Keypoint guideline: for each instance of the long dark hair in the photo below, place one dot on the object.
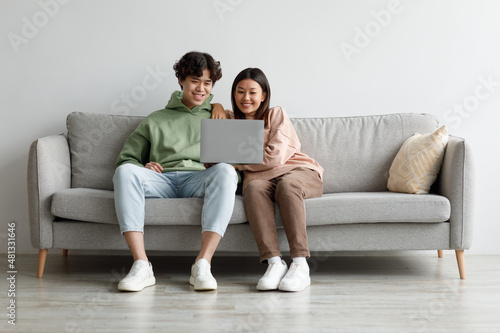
(258, 76)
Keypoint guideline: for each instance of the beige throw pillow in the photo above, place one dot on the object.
(417, 164)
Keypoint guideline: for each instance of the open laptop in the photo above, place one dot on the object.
(233, 141)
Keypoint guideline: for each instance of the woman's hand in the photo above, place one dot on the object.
(154, 166)
(218, 111)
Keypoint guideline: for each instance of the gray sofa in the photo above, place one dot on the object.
(71, 204)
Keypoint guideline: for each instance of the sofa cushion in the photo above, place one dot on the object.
(375, 207)
(417, 164)
(91, 205)
(357, 152)
(336, 208)
(95, 140)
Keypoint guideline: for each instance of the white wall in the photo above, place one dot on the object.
(413, 56)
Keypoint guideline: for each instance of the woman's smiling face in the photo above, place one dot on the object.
(248, 96)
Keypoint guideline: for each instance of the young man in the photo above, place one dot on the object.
(161, 159)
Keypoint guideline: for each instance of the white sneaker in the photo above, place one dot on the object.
(297, 278)
(273, 275)
(139, 277)
(201, 277)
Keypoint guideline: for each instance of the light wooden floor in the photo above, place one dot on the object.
(385, 293)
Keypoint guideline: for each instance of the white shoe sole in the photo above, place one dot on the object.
(137, 287)
(295, 288)
(203, 286)
(267, 288)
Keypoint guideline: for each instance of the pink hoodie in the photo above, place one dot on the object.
(281, 151)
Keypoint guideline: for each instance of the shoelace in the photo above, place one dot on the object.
(135, 269)
(270, 267)
(293, 269)
(203, 270)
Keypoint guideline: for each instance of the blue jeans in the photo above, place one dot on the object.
(217, 185)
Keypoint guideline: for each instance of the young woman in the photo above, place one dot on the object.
(286, 177)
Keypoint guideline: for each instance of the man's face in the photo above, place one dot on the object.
(195, 90)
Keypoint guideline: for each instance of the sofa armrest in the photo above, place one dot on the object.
(49, 170)
(456, 182)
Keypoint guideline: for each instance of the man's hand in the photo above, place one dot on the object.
(154, 166)
(218, 111)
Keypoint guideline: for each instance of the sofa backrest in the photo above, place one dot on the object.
(356, 152)
(95, 140)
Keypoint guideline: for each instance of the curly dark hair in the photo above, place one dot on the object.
(194, 63)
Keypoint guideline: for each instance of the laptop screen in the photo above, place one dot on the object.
(233, 141)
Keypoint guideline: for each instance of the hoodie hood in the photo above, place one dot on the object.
(175, 103)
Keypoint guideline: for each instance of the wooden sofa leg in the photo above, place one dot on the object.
(42, 256)
(461, 262)
(440, 253)
(65, 252)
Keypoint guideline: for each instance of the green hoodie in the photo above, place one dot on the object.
(170, 137)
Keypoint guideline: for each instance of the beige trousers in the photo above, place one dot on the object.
(289, 192)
